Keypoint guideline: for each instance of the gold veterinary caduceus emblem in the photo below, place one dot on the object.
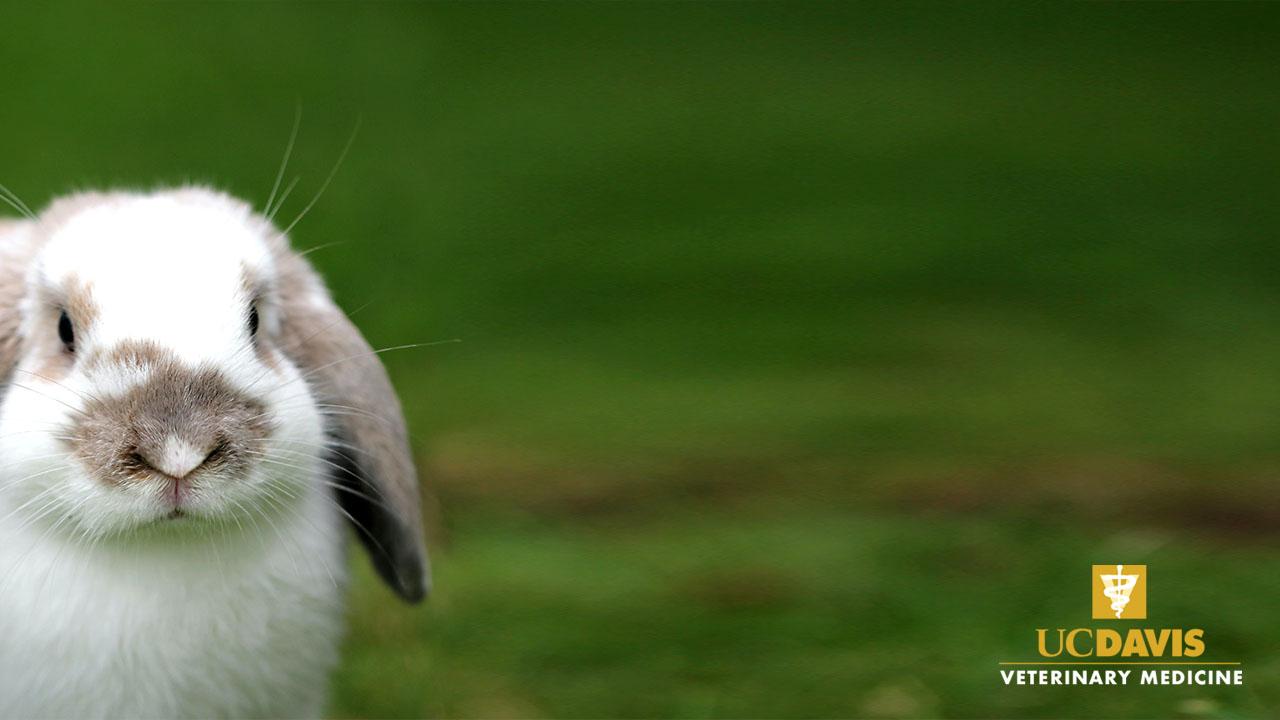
(1119, 592)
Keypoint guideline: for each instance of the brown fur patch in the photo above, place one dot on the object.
(114, 435)
(79, 303)
(19, 243)
(17, 248)
(135, 354)
(76, 298)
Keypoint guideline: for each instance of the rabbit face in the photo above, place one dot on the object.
(153, 386)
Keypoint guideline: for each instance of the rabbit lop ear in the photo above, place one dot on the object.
(368, 444)
(17, 248)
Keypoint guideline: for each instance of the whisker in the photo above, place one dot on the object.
(282, 489)
(299, 343)
(15, 202)
(337, 447)
(337, 506)
(249, 515)
(285, 196)
(235, 516)
(308, 251)
(368, 353)
(73, 391)
(330, 483)
(24, 461)
(351, 412)
(31, 389)
(372, 538)
(44, 427)
(324, 186)
(35, 498)
(48, 508)
(288, 151)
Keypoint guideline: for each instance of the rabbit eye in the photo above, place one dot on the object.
(66, 333)
(253, 320)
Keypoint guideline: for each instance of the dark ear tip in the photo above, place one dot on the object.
(413, 594)
(413, 582)
(405, 568)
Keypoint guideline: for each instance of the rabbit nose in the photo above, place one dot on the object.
(176, 457)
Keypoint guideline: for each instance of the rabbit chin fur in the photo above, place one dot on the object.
(164, 627)
(213, 615)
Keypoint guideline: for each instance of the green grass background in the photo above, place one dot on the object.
(811, 352)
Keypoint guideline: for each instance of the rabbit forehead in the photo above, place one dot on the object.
(175, 269)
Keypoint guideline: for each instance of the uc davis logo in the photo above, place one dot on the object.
(1119, 592)
(1114, 655)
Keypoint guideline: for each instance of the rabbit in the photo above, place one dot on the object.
(189, 427)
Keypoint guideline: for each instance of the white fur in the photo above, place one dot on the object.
(106, 608)
(242, 626)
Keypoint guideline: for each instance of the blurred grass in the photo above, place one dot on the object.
(810, 352)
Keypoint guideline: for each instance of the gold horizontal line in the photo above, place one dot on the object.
(1085, 662)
